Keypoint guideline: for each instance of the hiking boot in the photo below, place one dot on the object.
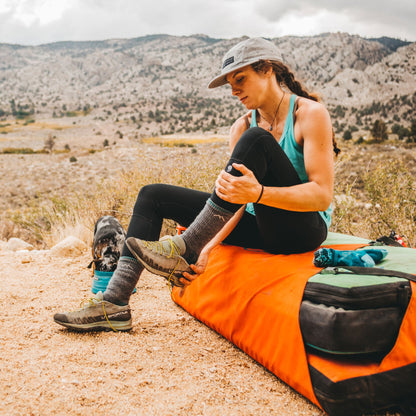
(162, 257)
(96, 314)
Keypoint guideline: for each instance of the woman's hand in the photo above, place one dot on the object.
(238, 189)
(198, 268)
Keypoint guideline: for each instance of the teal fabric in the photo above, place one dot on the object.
(250, 208)
(100, 281)
(294, 152)
(366, 257)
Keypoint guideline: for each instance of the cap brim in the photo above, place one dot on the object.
(218, 81)
(222, 79)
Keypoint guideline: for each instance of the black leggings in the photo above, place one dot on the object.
(271, 229)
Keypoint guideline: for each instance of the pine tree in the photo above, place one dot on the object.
(379, 131)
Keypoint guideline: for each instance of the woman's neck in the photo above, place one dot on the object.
(273, 109)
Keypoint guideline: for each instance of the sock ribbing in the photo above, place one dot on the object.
(206, 225)
(123, 281)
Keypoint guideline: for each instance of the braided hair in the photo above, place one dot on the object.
(285, 76)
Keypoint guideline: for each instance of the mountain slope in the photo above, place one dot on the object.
(169, 74)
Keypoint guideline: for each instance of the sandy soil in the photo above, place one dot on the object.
(169, 364)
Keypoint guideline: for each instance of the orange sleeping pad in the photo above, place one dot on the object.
(253, 298)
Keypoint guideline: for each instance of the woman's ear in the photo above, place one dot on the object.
(268, 69)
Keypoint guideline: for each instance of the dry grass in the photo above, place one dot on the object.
(375, 192)
(9, 126)
(49, 222)
(170, 141)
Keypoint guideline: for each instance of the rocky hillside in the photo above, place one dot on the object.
(158, 82)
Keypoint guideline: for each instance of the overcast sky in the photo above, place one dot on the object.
(33, 22)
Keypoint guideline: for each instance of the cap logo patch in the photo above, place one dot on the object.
(228, 61)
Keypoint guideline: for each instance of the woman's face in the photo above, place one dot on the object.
(249, 86)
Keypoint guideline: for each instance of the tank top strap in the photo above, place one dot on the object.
(253, 118)
(289, 119)
(291, 108)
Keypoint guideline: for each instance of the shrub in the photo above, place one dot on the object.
(347, 135)
(73, 159)
(379, 130)
(391, 190)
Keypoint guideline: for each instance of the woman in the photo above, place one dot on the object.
(274, 193)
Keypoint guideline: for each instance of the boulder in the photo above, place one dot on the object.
(69, 247)
(16, 244)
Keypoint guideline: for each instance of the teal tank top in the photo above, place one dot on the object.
(295, 154)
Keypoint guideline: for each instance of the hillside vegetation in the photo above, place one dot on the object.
(157, 84)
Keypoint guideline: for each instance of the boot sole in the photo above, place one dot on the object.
(98, 326)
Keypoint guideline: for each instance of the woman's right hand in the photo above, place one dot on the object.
(238, 189)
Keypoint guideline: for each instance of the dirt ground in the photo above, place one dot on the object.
(169, 364)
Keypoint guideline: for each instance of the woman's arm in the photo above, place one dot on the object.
(314, 128)
(226, 230)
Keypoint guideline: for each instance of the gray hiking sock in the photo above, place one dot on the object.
(123, 281)
(206, 225)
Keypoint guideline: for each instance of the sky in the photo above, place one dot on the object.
(34, 22)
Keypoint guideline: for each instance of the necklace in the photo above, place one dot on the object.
(275, 114)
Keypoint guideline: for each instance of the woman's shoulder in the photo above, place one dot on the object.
(312, 119)
(308, 110)
(307, 106)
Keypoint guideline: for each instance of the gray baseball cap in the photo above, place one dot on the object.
(245, 53)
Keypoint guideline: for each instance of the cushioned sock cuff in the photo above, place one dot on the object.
(206, 225)
(124, 281)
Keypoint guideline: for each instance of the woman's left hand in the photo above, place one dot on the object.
(197, 268)
(238, 189)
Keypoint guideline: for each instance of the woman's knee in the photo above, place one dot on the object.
(253, 149)
(150, 190)
(255, 134)
(148, 195)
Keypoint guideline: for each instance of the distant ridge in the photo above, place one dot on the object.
(391, 43)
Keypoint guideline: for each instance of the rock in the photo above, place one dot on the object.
(69, 247)
(15, 244)
(3, 245)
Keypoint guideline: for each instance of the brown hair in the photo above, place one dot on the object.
(285, 76)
